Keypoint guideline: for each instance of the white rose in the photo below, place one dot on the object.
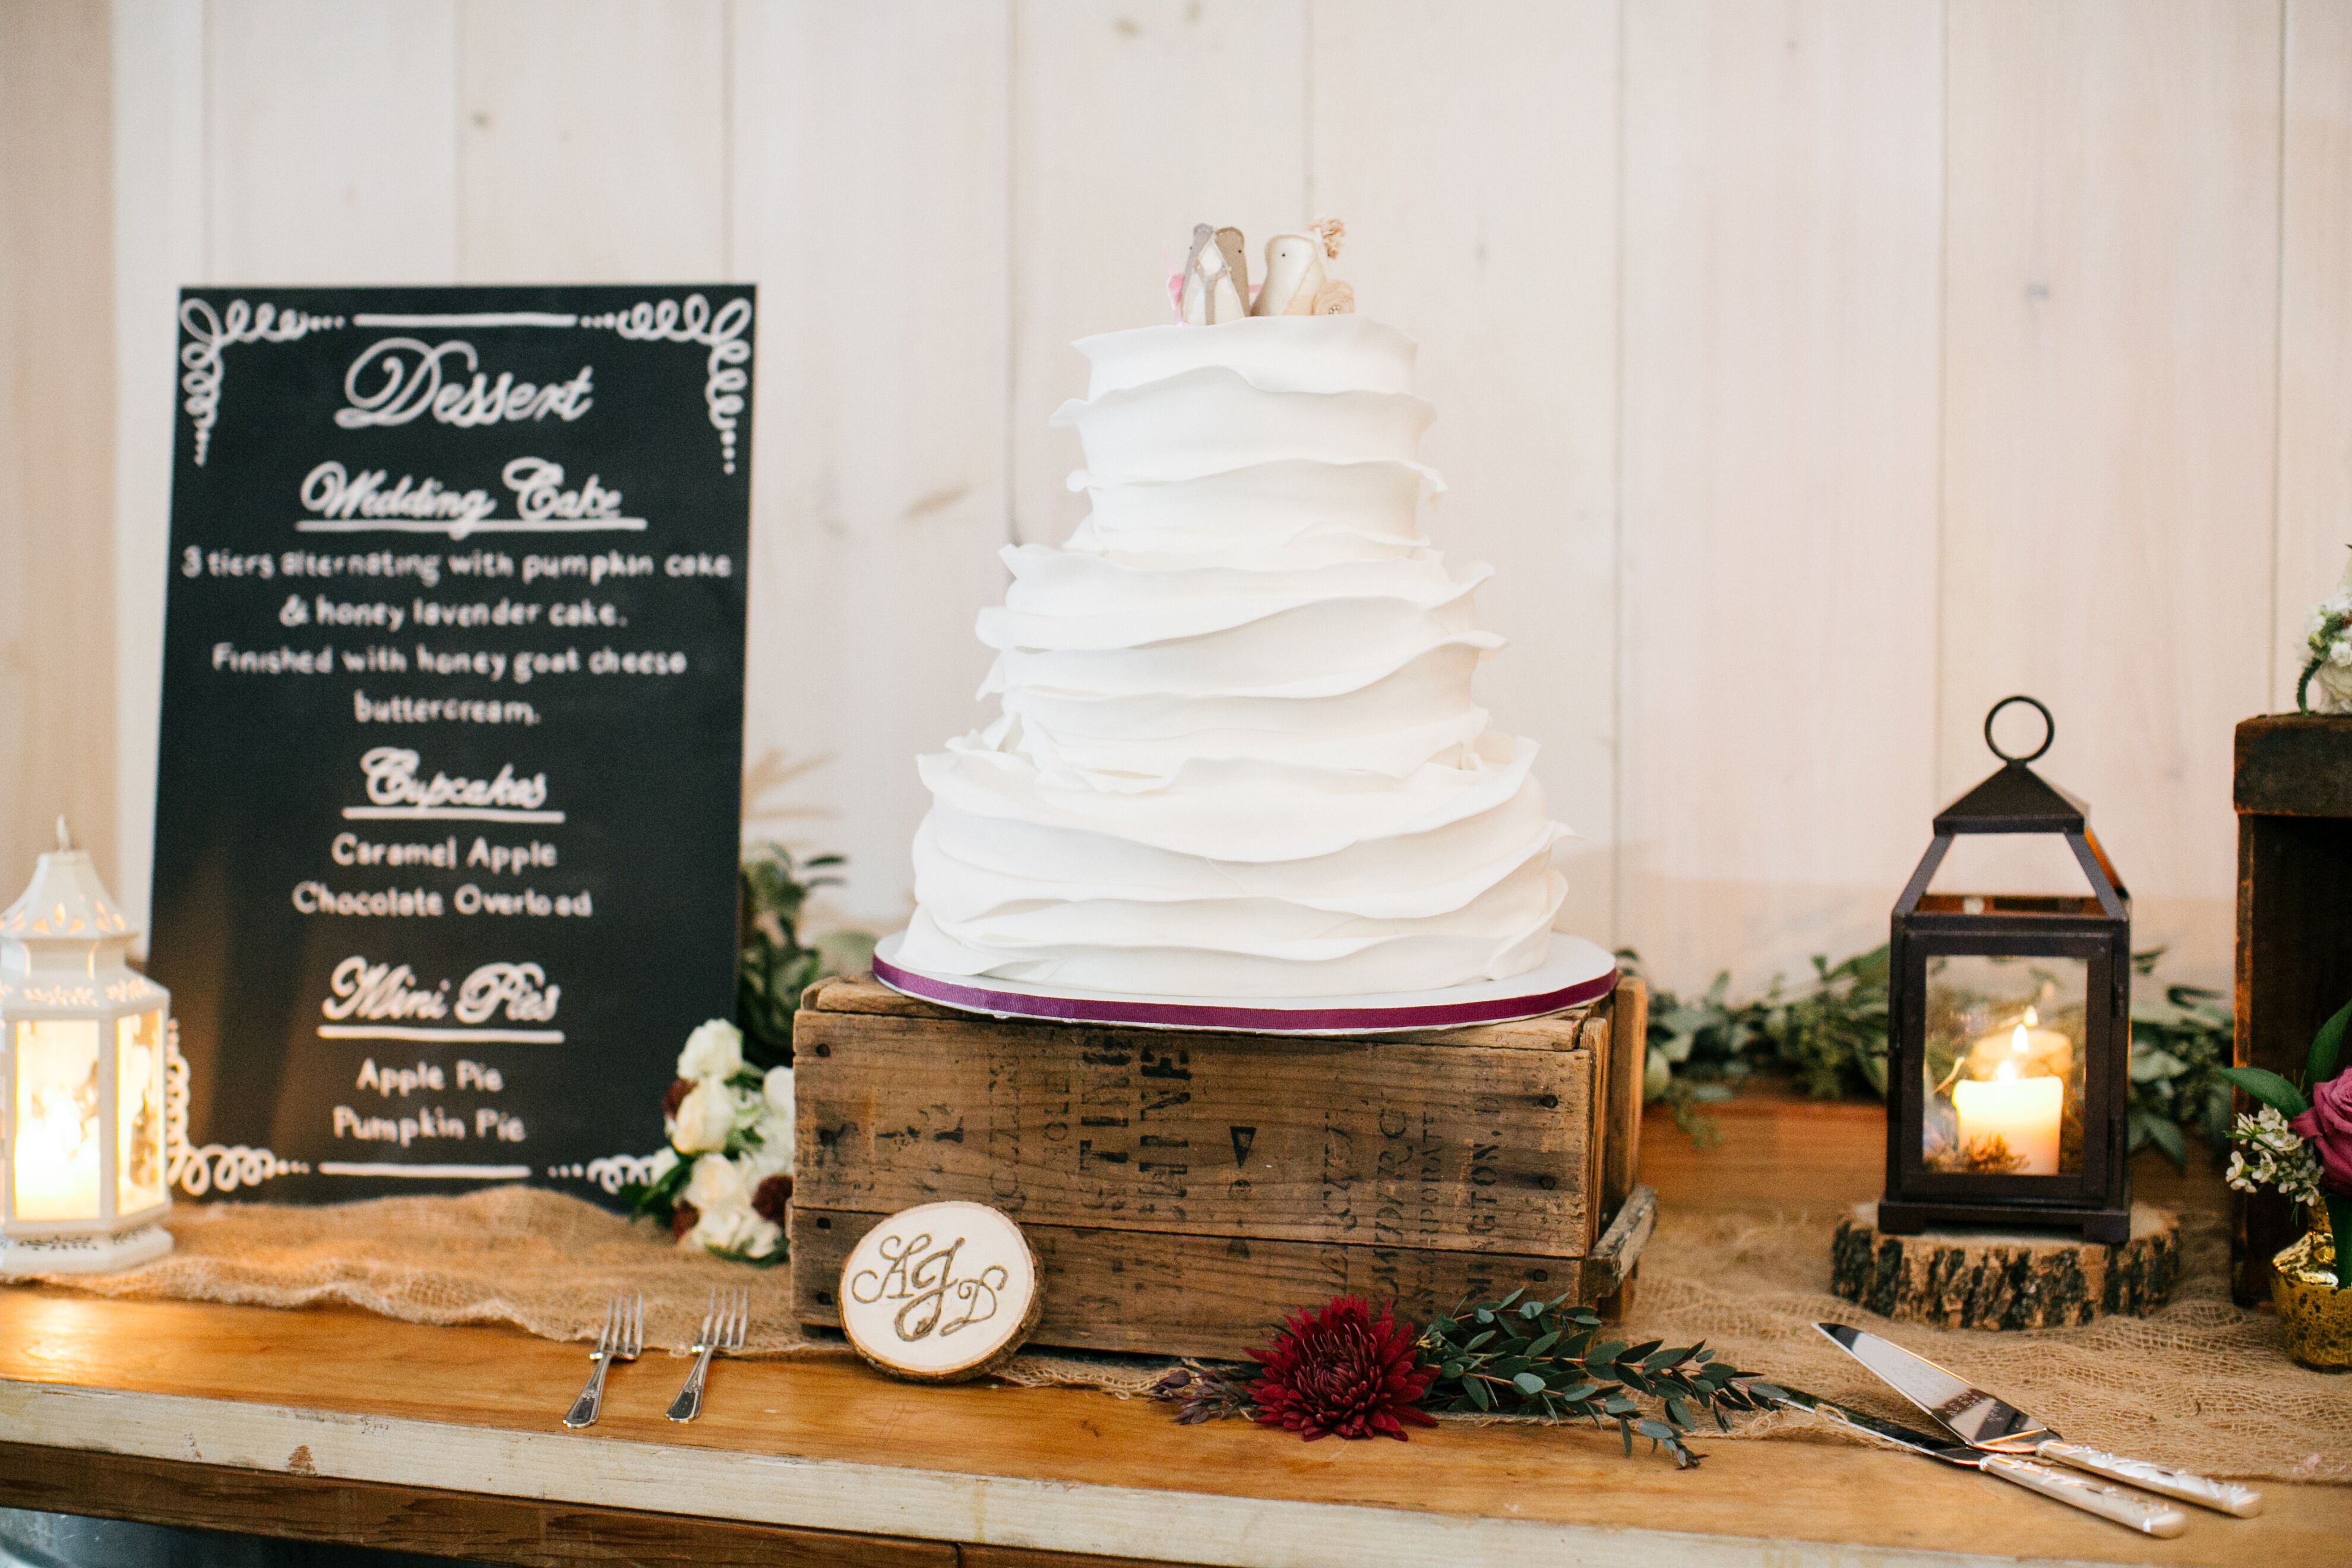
(664, 1162)
(735, 1230)
(776, 1088)
(717, 1228)
(773, 1154)
(2333, 689)
(762, 1236)
(717, 1184)
(714, 1050)
(705, 1118)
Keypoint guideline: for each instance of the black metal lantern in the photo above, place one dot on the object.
(2009, 1020)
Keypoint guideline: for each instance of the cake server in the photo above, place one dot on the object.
(2128, 1508)
(1981, 1421)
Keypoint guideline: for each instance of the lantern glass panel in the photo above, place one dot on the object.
(139, 1121)
(2002, 1069)
(54, 1154)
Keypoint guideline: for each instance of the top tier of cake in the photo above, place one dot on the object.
(1238, 753)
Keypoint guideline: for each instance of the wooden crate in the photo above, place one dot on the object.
(1184, 1189)
(2292, 791)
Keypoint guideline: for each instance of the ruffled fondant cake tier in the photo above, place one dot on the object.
(1239, 755)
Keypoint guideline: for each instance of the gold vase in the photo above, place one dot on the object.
(2317, 1317)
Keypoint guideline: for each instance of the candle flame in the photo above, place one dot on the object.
(2017, 1041)
(2033, 1019)
(2007, 1071)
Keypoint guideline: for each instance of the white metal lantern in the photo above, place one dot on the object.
(82, 1187)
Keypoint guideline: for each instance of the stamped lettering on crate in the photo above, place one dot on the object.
(1452, 1145)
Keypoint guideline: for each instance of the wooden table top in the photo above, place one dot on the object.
(977, 1474)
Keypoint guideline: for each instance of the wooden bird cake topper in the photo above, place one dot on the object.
(1214, 286)
(1216, 278)
(940, 1293)
(1296, 281)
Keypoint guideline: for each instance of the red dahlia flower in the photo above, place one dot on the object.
(1341, 1370)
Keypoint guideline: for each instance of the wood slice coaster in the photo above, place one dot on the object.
(940, 1293)
(2004, 1278)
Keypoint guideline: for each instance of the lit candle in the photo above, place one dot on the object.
(56, 1161)
(2032, 1047)
(2024, 1113)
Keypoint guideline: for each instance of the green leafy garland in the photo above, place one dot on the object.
(772, 965)
(1829, 1039)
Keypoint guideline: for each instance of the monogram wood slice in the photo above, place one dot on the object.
(939, 1292)
(1183, 1188)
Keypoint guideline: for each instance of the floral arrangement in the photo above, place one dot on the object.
(2328, 638)
(724, 1182)
(2299, 1142)
(1342, 1372)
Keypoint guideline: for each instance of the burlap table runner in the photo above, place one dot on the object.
(2201, 1383)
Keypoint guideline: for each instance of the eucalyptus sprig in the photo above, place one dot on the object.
(772, 966)
(1548, 1359)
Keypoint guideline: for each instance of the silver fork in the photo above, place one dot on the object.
(723, 1327)
(623, 1339)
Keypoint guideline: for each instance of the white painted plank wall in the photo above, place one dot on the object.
(870, 202)
(2110, 388)
(1782, 207)
(56, 391)
(1811, 372)
(2315, 411)
(1472, 153)
(592, 141)
(1131, 123)
(159, 243)
(329, 141)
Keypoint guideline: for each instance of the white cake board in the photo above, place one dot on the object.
(1573, 971)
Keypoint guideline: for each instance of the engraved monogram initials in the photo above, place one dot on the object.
(924, 1279)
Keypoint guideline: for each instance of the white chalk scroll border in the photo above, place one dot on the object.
(724, 335)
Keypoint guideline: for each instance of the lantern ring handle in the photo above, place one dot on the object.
(2049, 728)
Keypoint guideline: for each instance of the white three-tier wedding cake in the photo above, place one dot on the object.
(1238, 754)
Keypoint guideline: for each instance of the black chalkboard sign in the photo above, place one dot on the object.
(447, 817)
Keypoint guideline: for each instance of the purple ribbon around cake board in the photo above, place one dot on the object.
(1137, 1010)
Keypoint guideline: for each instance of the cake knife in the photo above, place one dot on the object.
(1981, 1421)
(2129, 1509)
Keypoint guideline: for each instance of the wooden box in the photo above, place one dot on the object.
(1183, 1189)
(2292, 789)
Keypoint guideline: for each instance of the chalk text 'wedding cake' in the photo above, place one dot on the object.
(1238, 753)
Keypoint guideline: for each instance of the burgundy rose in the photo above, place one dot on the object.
(1342, 1371)
(2328, 1127)
(773, 1199)
(683, 1216)
(678, 1090)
